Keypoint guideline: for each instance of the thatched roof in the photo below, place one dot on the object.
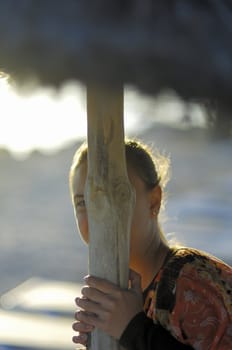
(184, 45)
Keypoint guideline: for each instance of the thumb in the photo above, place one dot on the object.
(135, 281)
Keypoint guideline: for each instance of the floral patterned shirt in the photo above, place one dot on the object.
(191, 297)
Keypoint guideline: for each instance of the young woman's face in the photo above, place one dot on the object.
(142, 228)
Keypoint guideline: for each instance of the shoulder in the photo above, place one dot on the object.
(193, 266)
(186, 260)
(182, 255)
(194, 299)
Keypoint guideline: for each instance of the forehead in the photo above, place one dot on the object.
(80, 175)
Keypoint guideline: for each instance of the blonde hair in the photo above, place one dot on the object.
(152, 168)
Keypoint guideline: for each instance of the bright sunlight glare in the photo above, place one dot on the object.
(48, 119)
(45, 120)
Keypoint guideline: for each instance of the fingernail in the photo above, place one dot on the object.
(77, 315)
(75, 339)
(78, 339)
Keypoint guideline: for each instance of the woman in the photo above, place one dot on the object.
(179, 298)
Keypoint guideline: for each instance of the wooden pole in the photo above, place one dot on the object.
(110, 197)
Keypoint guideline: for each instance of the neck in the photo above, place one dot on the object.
(151, 262)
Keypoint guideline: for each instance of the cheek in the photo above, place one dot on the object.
(136, 227)
(140, 225)
(140, 215)
(82, 223)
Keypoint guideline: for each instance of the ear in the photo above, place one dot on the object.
(155, 201)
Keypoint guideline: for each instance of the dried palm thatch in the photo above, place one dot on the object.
(184, 45)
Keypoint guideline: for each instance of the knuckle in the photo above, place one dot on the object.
(90, 280)
(85, 291)
(78, 315)
(118, 294)
(111, 304)
(76, 326)
(82, 303)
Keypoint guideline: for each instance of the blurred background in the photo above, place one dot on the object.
(42, 258)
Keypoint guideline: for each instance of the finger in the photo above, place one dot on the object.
(95, 295)
(87, 318)
(80, 339)
(101, 284)
(82, 327)
(100, 321)
(135, 280)
(92, 294)
(88, 305)
(77, 315)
